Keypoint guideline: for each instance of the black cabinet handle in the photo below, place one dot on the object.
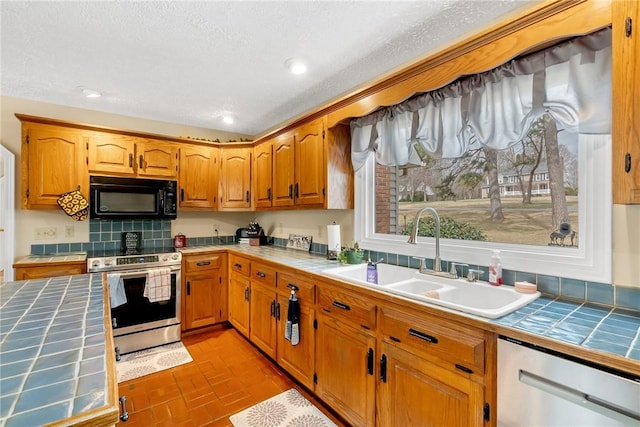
(627, 163)
(188, 288)
(370, 361)
(269, 194)
(246, 294)
(130, 160)
(273, 309)
(423, 336)
(141, 162)
(291, 191)
(247, 197)
(203, 263)
(182, 194)
(383, 368)
(296, 191)
(261, 274)
(277, 311)
(341, 305)
(464, 369)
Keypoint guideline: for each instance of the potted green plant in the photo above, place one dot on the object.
(351, 255)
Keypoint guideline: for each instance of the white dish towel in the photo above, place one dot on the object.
(117, 296)
(158, 286)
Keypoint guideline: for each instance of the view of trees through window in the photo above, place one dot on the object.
(525, 194)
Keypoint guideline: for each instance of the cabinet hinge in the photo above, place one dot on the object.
(628, 26)
(315, 323)
(315, 378)
(486, 411)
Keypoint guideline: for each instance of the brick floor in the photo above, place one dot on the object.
(227, 375)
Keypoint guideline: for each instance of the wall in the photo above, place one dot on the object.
(192, 224)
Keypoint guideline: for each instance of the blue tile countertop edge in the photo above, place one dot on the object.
(607, 329)
(53, 352)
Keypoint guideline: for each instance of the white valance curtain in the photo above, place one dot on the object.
(570, 81)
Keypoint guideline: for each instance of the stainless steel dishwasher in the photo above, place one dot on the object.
(542, 388)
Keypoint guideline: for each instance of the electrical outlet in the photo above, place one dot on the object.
(69, 231)
(45, 233)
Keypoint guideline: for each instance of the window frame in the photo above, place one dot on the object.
(591, 261)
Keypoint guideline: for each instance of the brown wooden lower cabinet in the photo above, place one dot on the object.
(346, 373)
(204, 293)
(239, 298)
(414, 392)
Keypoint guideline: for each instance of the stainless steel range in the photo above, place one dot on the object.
(144, 293)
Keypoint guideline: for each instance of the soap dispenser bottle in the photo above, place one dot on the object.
(495, 269)
(372, 272)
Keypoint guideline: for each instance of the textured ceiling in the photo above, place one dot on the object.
(190, 62)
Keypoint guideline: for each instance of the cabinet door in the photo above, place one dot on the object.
(235, 179)
(263, 318)
(111, 154)
(298, 360)
(156, 159)
(53, 163)
(346, 370)
(626, 107)
(310, 164)
(283, 170)
(198, 177)
(262, 168)
(412, 391)
(202, 307)
(239, 296)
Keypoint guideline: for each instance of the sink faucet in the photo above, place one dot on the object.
(413, 237)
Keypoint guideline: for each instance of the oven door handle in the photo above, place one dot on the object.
(132, 273)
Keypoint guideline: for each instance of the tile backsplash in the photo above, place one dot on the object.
(106, 235)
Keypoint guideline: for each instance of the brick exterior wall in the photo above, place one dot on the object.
(386, 200)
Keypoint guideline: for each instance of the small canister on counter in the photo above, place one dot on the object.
(179, 241)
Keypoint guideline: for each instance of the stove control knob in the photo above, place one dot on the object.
(109, 262)
(175, 257)
(164, 258)
(95, 263)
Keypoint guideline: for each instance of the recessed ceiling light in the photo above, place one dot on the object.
(90, 93)
(296, 66)
(227, 119)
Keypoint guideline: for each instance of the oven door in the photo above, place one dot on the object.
(138, 314)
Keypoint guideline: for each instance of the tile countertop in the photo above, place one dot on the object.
(41, 259)
(54, 365)
(608, 330)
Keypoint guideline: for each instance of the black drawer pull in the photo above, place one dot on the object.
(341, 305)
(423, 336)
(370, 361)
(464, 369)
(238, 266)
(203, 263)
(365, 327)
(261, 274)
(392, 338)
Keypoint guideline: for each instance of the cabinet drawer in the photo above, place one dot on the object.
(306, 290)
(264, 274)
(203, 262)
(347, 307)
(460, 347)
(240, 265)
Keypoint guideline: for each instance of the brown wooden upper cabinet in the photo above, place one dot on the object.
(114, 154)
(262, 167)
(198, 180)
(626, 101)
(53, 163)
(235, 178)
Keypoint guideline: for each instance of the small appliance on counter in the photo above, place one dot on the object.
(252, 235)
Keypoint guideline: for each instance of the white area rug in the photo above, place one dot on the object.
(145, 362)
(286, 409)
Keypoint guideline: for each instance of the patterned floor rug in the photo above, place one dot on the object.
(145, 362)
(286, 409)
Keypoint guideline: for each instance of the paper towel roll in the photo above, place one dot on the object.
(333, 241)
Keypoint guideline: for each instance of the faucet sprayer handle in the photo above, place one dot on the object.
(474, 275)
(453, 271)
(423, 263)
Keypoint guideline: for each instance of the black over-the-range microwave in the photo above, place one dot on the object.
(132, 198)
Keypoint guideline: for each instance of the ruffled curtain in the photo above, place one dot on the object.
(571, 81)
